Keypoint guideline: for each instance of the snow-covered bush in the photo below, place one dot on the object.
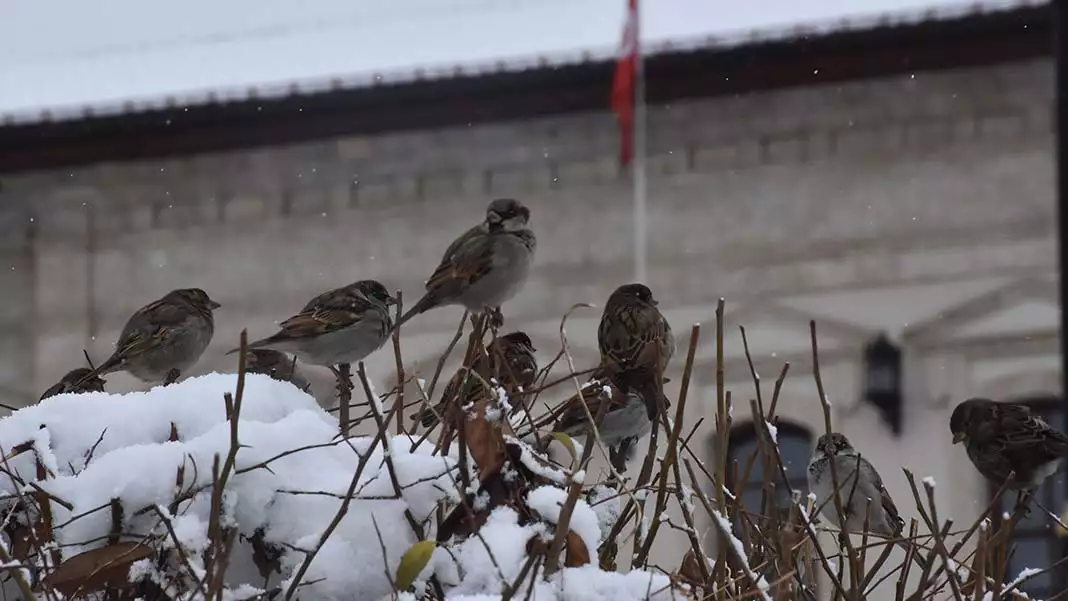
(237, 486)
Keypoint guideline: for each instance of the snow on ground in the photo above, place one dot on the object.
(133, 460)
(135, 463)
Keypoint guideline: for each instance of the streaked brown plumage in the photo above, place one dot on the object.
(618, 398)
(516, 373)
(343, 325)
(76, 382)
(1005, 437)
(486, 266)
(164, 338)
(633, 335)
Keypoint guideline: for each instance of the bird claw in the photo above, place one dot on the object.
(343, 375)
(494, 318)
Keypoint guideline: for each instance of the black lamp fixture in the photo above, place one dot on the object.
(882, 380)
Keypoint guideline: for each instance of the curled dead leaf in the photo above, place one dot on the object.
(576, 552)
(690, 570)
(23, 539)
(93, 570)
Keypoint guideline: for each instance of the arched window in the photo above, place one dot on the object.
(795, 447)
(1036, 540)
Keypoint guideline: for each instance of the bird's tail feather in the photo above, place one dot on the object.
(421, 306)
(262, 342)
(428, 417)
(110, 365)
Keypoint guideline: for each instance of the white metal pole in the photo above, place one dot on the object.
(638, 166)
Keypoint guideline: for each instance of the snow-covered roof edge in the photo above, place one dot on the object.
(367, 79)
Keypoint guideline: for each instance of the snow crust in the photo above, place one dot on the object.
(97, 447)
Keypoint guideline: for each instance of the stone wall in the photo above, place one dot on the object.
(805, 189)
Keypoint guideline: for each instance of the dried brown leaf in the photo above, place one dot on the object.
(577, 554)
(94, 570)
(690, 570)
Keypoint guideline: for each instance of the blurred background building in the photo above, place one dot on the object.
(891, 177)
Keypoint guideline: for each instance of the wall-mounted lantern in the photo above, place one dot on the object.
(882, 380)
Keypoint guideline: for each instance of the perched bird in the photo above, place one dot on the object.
(486, 266)
(619, 400)
(76, 382)
(343, 325)
(633, 335)
(277, 365)
(516, 373)
(1004, 438)
(164, 338)
(858, 481)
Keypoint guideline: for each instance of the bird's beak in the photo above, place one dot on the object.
(958, 437)
(493, 218)
(390, 301)
(656, 303)
(214, 305)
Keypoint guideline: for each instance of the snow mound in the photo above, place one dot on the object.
(153, 453)
(293, 501)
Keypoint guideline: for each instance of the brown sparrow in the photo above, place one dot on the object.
(164, 338)
(625, 419)
(486, 266)
(516, 373)
(633, 334)
(76, 382)
(858, 482)
(343, 325)
(1004, 438)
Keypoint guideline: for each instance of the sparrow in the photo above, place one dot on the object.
(76, 382)
(509, 359)
(633, 335)
(486, 266)
(1004, 438)
(343, 325)
(277, 365)
(164, 338)
(858, 481)
(620, 396)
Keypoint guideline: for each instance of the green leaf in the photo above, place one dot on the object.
(412, 562)
(569, 444)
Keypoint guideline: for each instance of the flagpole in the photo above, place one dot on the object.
(638, 166)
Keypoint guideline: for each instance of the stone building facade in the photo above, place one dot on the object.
(918, 203)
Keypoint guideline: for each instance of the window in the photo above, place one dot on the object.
(795, 448)
(1036, 542)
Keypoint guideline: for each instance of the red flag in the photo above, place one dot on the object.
(623, 82)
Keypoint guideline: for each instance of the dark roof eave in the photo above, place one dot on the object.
(970, 40)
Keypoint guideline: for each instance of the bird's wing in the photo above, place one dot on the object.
(317, 322)
(467, 259)
(633, 336)
(336, 298)
(594, 396)
(149, 326)
(893, 518)
(329, 312)
(1021, 437)
(514, 367)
